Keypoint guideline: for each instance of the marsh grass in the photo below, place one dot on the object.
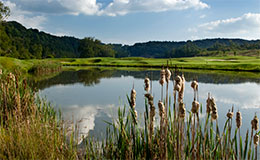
(181, 134)
(43, 68)
(29, 127)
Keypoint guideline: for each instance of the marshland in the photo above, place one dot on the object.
(63, 97)
(95, 109)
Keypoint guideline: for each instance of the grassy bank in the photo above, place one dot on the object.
(36, 66)
(233, 63)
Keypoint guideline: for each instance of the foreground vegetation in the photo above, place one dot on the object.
(29, 127)
(235, 63)
(181, 134)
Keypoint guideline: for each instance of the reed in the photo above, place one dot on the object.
(180, 134)
(29, 127)
(186, 135)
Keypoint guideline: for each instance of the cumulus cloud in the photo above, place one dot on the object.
(245, 26)
(112, 8)
(122, 7)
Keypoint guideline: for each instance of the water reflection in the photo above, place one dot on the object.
(93, 95)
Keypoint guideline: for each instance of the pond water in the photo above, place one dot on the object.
(92, 96)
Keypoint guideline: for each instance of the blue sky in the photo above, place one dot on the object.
(131, 21)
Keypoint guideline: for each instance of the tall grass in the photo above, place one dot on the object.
(29, 127)
(45, 68)
(181, 134)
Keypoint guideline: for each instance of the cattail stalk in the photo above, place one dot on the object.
(163, 149)
(256, 141)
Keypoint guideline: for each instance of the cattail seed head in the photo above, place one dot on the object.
(133, 98)
(255, 123)
(239, 119)
(230, 115)
(161, 108)
(181, 110)
(214, 115)
(213, 104)
(256, 139)
(208, 102)
(147, 84)
(195, 107)
(181, 92)
(150, 98)
(177, 87)
(168, 75)
(178, 79)
(162, 77)
(136, 115)
(194, 85)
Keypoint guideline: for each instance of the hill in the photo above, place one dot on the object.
(19, 42)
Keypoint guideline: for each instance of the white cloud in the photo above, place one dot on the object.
(112, 8)
(88, 7)
(25, 17)
(246, 26)
(122, 7)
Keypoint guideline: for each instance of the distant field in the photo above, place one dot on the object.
(235, 63)
(232, 63)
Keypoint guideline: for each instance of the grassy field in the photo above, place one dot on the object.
(234, 63)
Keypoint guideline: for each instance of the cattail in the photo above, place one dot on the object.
(133, 98)
(178, 83)
(136, 115)
(195, 107)
(208, 104)
(194, 85)
(181, 92)
(214, 115)
(147, 84)
(161, 109)
(230, 115)
(213, 104)
(162, 130)
(256, 139)
(149, 97)
(255, 123)
(162, 77)
(178, 79)
(177, 87)
(239, 119)
(181, 110)
(168, 75)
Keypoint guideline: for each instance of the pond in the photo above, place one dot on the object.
(91, 96)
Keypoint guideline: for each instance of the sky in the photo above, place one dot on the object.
(132, 21)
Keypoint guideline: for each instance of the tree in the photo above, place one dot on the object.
(4, 12)
(91, 47)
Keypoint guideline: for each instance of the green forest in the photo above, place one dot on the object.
(19, 42)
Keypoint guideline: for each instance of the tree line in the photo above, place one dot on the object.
(18, 42)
